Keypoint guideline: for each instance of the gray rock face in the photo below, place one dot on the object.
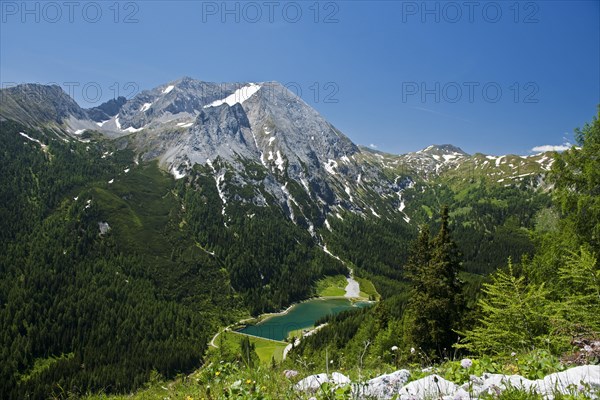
(272, 120)
(178, 101)
(34, 104)
(313, 383)
(103, 227)
(583, 381)
(429, 387)
(106, 110)
(190, 122)
(282, 121)
(218, 132)
(382, 387)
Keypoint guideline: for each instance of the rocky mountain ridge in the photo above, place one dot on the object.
(262, 136)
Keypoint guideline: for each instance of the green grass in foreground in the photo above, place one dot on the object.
(265, 349)
(227, 380)
(332, 286)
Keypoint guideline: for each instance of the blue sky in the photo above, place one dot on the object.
(494, 77)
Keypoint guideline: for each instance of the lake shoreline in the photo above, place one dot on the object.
(243, 323)
(301, 316)
(238, 326)
(352, 293)
(264, 317)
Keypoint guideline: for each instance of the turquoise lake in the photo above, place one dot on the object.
(300, 316)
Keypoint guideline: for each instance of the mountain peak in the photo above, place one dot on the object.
(37, 104)
(441, 149)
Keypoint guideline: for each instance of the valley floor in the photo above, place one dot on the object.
(269, 349)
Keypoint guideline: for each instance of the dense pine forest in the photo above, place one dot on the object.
(88, 305)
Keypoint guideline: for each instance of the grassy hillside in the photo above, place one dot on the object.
(267, 350)
(225, 380)
(332, 286)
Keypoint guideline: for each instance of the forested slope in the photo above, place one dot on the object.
(110, 268)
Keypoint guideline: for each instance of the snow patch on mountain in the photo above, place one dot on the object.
(219, 179)
(448, 157)
(177, 174)
(289, 200)
(262, 154)
(311, 229)
(279, 162)
(239, 96)
(331, 166)
(131, 129)
(349, 193)
(330, 253)
(32, 139)
(304, 183)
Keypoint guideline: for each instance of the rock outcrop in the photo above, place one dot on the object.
(583, 380)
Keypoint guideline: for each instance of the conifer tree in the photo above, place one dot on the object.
(515, 316)
(419, 258)
(578, 311)
(435, 302)
(248, 352)
(576, 176)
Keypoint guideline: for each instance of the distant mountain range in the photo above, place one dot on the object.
(235, 129)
